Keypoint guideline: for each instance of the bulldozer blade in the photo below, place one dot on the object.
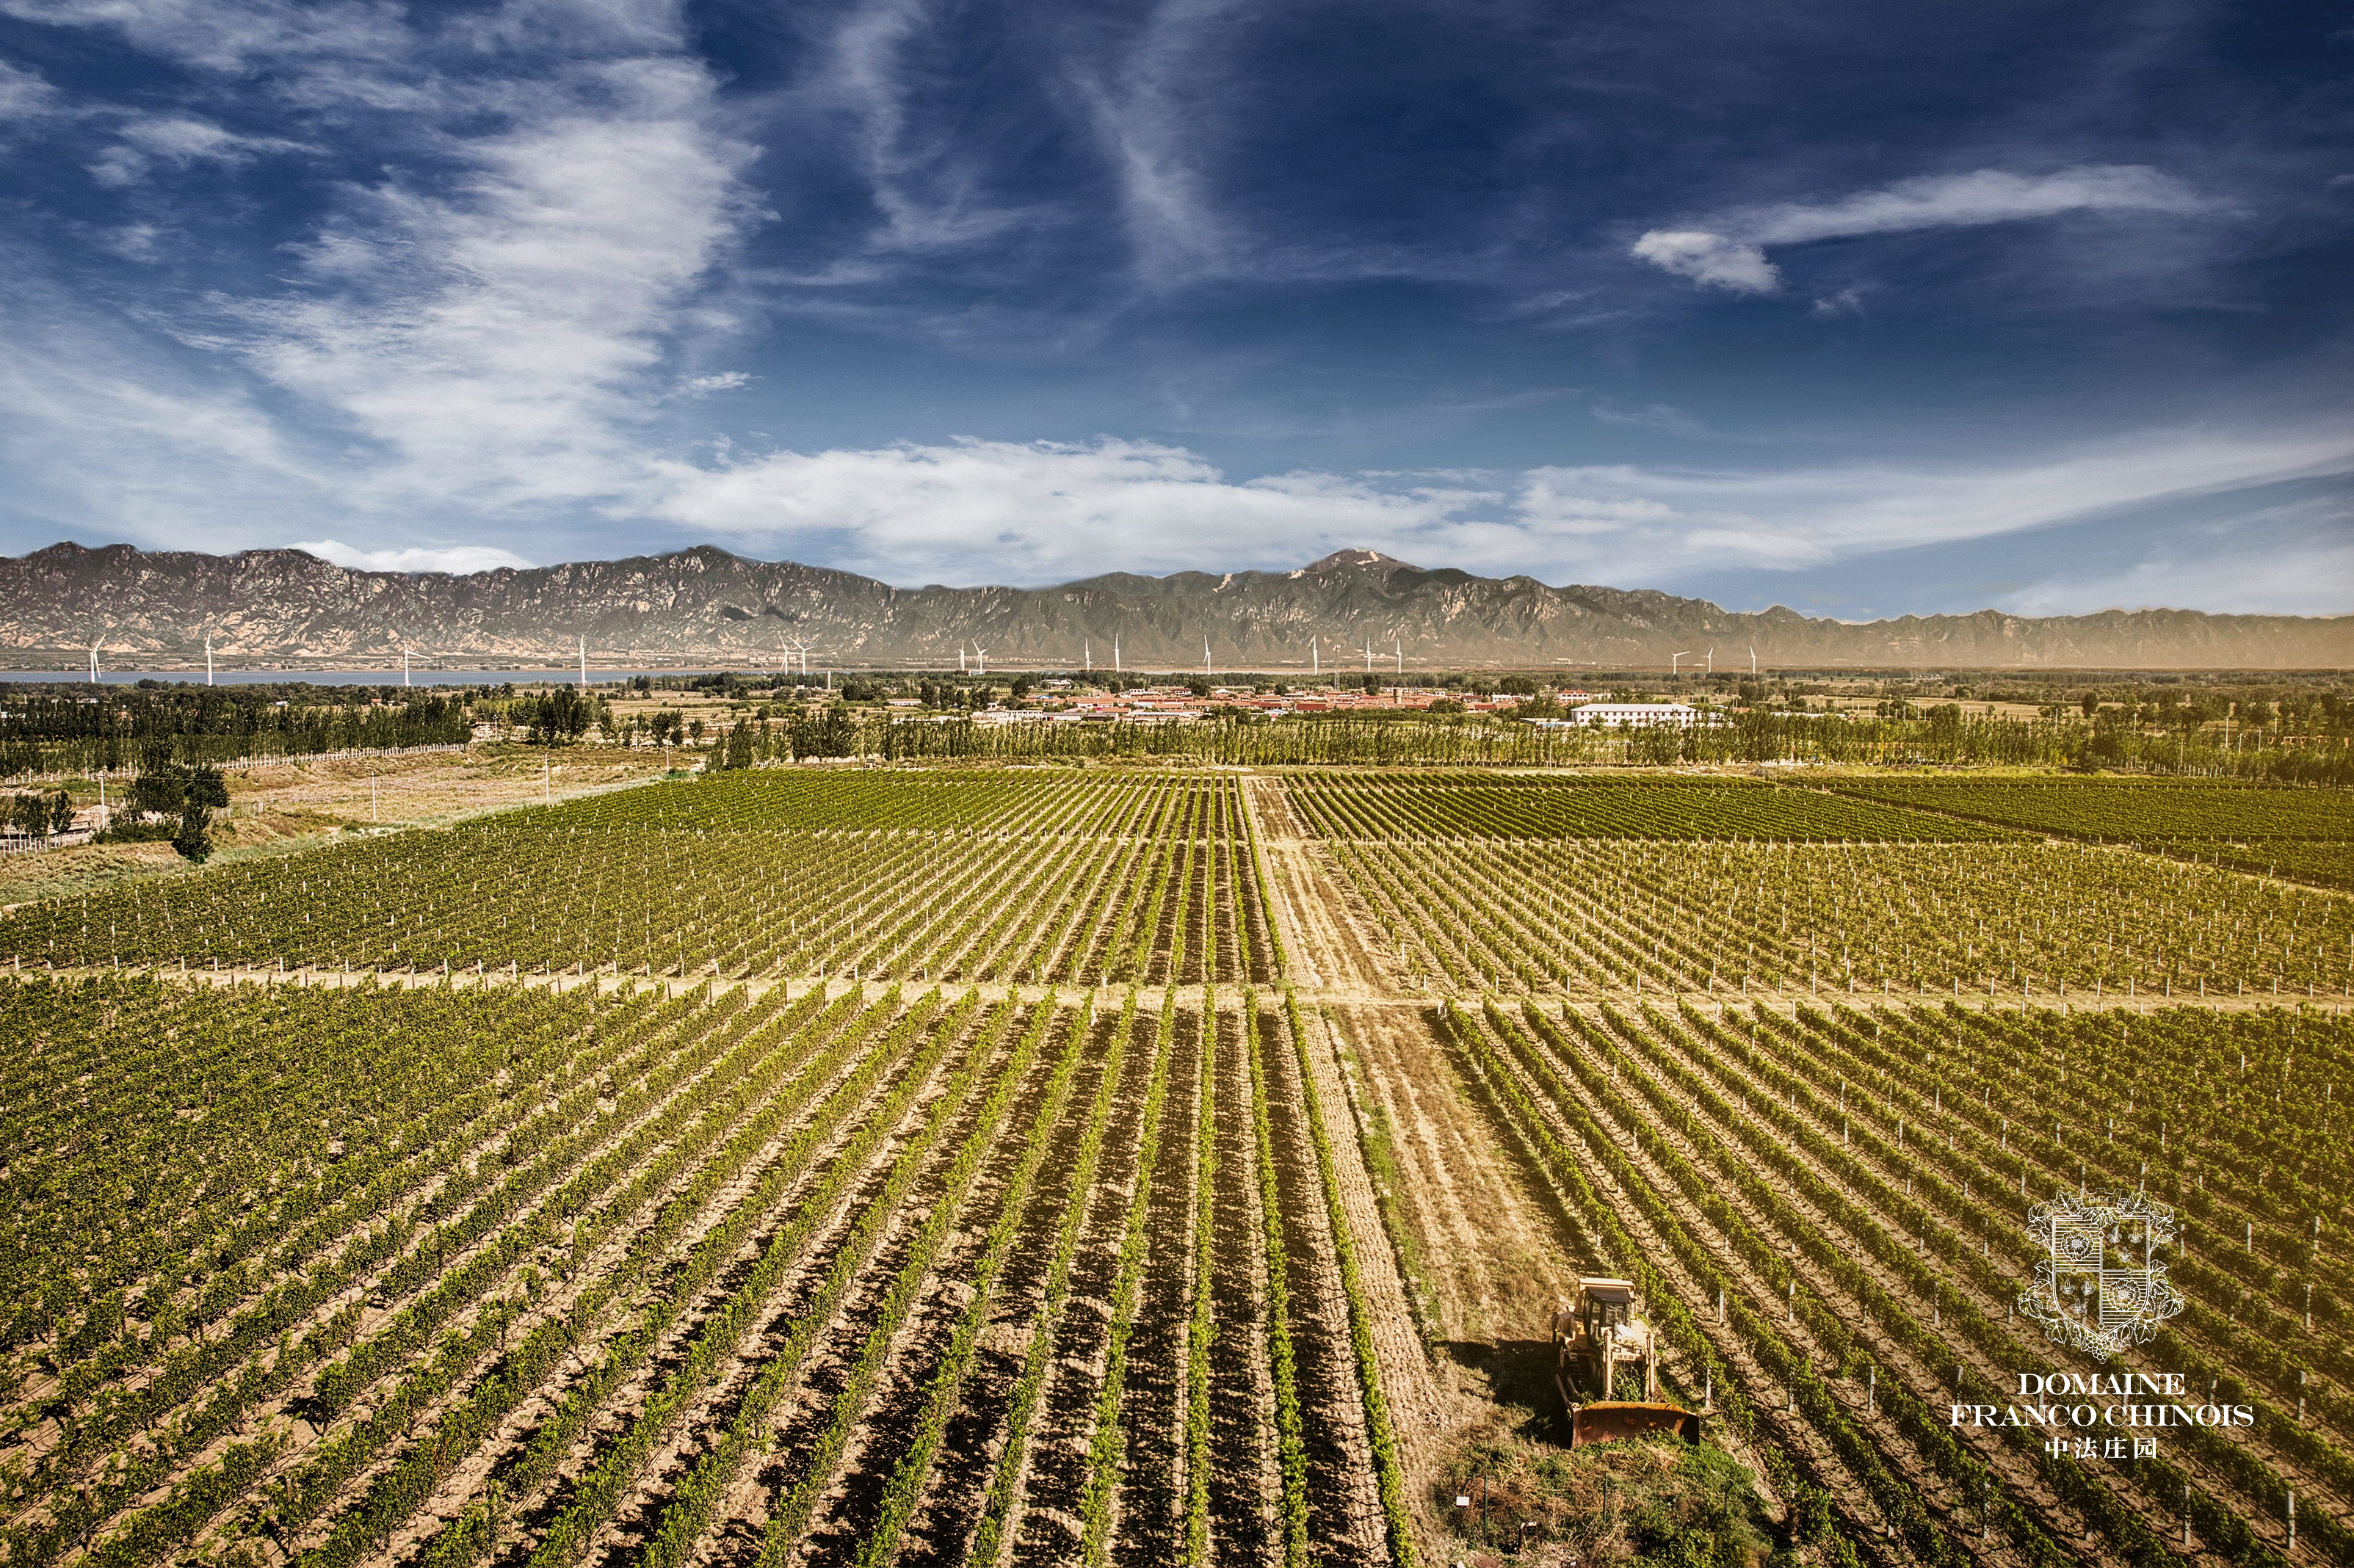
(1613, 1421)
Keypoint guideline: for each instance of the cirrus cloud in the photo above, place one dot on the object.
(1728, 251)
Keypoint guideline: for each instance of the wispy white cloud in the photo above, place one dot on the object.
(463, 560)
(1658, 417)
(1709, 259)
(488, 328)
(1652, 523)
(1728, 251)
(1157, 134)
(237, 36)
(718, 381)
(499, 340)
(1042, 511)
(179, 140)
(1031, 512)
(922, 179)
(25, 95)
(1847, 301)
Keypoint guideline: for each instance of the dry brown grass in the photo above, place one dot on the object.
(298, 805)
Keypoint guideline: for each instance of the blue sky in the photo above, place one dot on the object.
(1859, 308)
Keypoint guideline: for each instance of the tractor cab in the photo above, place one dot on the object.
(1597, 1334)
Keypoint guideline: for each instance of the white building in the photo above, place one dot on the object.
(1635, 716)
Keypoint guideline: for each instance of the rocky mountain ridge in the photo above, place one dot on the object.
(289, 610)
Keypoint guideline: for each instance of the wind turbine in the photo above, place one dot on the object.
(1115, 653)
(1753, 658)
(1315, 664)
(1398, 648)
(1675, 670)
(1205, 655)
(980, 659)
(1369, 655)
(93, 663)
(584, 663)
(403, 666)
(209, 658)
(1086, 654)
(960, 670)
(1711, 660)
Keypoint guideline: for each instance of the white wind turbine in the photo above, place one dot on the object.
(1205, 655)
(980, 659)
(209, 658)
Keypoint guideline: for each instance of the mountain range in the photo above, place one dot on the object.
(706, 607)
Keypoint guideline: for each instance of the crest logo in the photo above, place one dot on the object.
(2100, 1286)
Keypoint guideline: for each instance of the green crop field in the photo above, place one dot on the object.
(1379, 806)
(2135, 809)
(1127, 1165)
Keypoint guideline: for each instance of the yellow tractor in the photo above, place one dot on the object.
(1596, 1335)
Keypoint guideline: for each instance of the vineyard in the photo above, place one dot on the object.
(808, 1276)
(1414, 806)
(2137, 809)
(1030, 1166)
(1824, 1202)
(1486, 892)
(1070, 879)
(2306, 836)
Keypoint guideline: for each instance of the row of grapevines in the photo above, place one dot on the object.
(1729, 918)
(1409, 806)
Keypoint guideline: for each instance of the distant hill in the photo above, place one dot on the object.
(287, 609)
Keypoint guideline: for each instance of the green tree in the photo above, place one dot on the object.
(193, 841)
(60, 812)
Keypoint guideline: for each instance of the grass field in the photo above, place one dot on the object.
(1141, 1166)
